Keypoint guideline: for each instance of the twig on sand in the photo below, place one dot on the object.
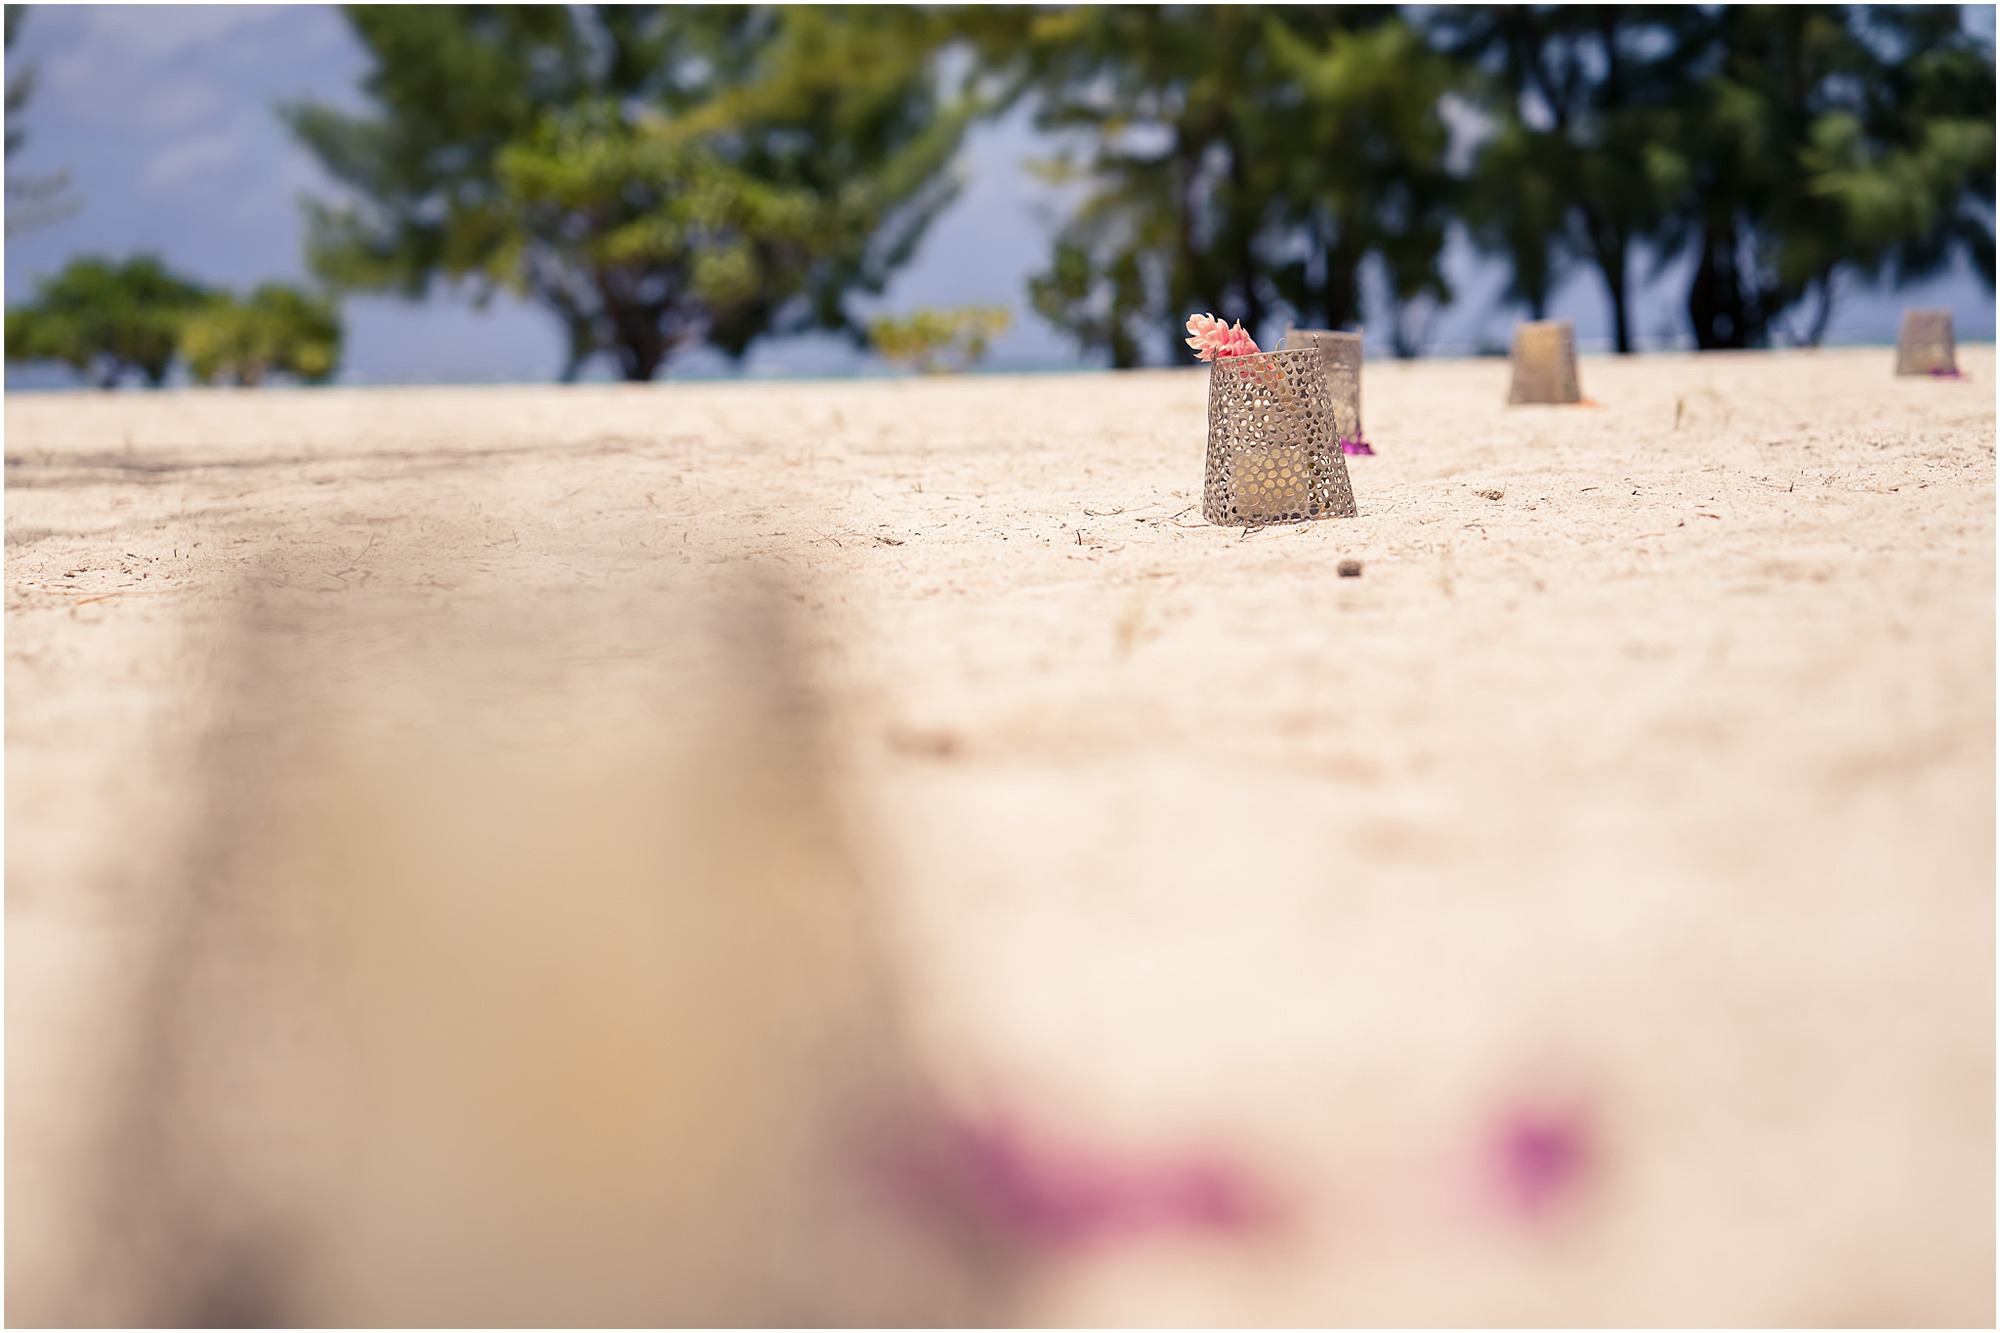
(1249, 529)
(359, 557)
(122, 592)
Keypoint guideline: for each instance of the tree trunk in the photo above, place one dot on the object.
(1614, 283)
(1246, 271)
(1405, 342)
(1615, 245)
(636, 336)
(1246, 240)
(577, 323)
(1611, 249)
(639, 358)
(1816, 331)
(1701, 302)
(639, 344)
(1185, 162)
(581, 346)
(1342, 290)
(1124, 348)
(1715, 298)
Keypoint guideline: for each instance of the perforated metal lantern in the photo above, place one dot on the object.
(1545, 363)
(1342, 354)
(1273, 456)
(1928, 345)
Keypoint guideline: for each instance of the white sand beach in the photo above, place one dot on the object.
(1645, 773)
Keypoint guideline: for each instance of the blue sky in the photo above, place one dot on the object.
(162, 116)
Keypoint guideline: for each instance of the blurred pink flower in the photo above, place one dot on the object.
(1021, 1187)
(1541, 1156)
(1214, 339)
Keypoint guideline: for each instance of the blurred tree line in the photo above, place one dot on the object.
(654, 176)
(1257, 161)
(109, 320)
(934, 341)
(1784, 148)
(659, 177)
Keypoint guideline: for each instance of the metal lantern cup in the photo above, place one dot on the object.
(1273, 456)
(1928, 345)
(1342, 354)
(1545, 363)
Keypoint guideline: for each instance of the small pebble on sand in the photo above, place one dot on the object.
(1350, 569)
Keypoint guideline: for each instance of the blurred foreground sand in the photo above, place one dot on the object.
(1584, 916)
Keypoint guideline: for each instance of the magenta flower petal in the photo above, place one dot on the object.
(1541, 1157)
(1067, 1197)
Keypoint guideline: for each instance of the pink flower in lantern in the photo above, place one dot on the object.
(1214, 339)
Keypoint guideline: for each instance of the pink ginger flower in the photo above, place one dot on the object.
(1214, 339)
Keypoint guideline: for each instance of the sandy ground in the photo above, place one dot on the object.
(1643, 780)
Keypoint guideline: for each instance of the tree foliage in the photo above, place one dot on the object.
(277, 330)
(1778, 149)
(109, 320)
(934, 340)
(106, 320)
(1578, 96)
(1245, 160)
(1258, 162)
(1816, 142)
(1370, 178)
(654, 176)
(661, 177)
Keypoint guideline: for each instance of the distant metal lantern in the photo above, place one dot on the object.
(1273, 456)
(1342, 354)
(1545, 363)
(1928, 345)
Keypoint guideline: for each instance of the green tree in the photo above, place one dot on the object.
(655, 176)
(1817, 143)
(1783, 149)
(106, 320)
(1578, 97)
(1366, 170)
(278, 330)
(1242, 160)
(934, 340)
(1516, 206)
(1097, 290)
